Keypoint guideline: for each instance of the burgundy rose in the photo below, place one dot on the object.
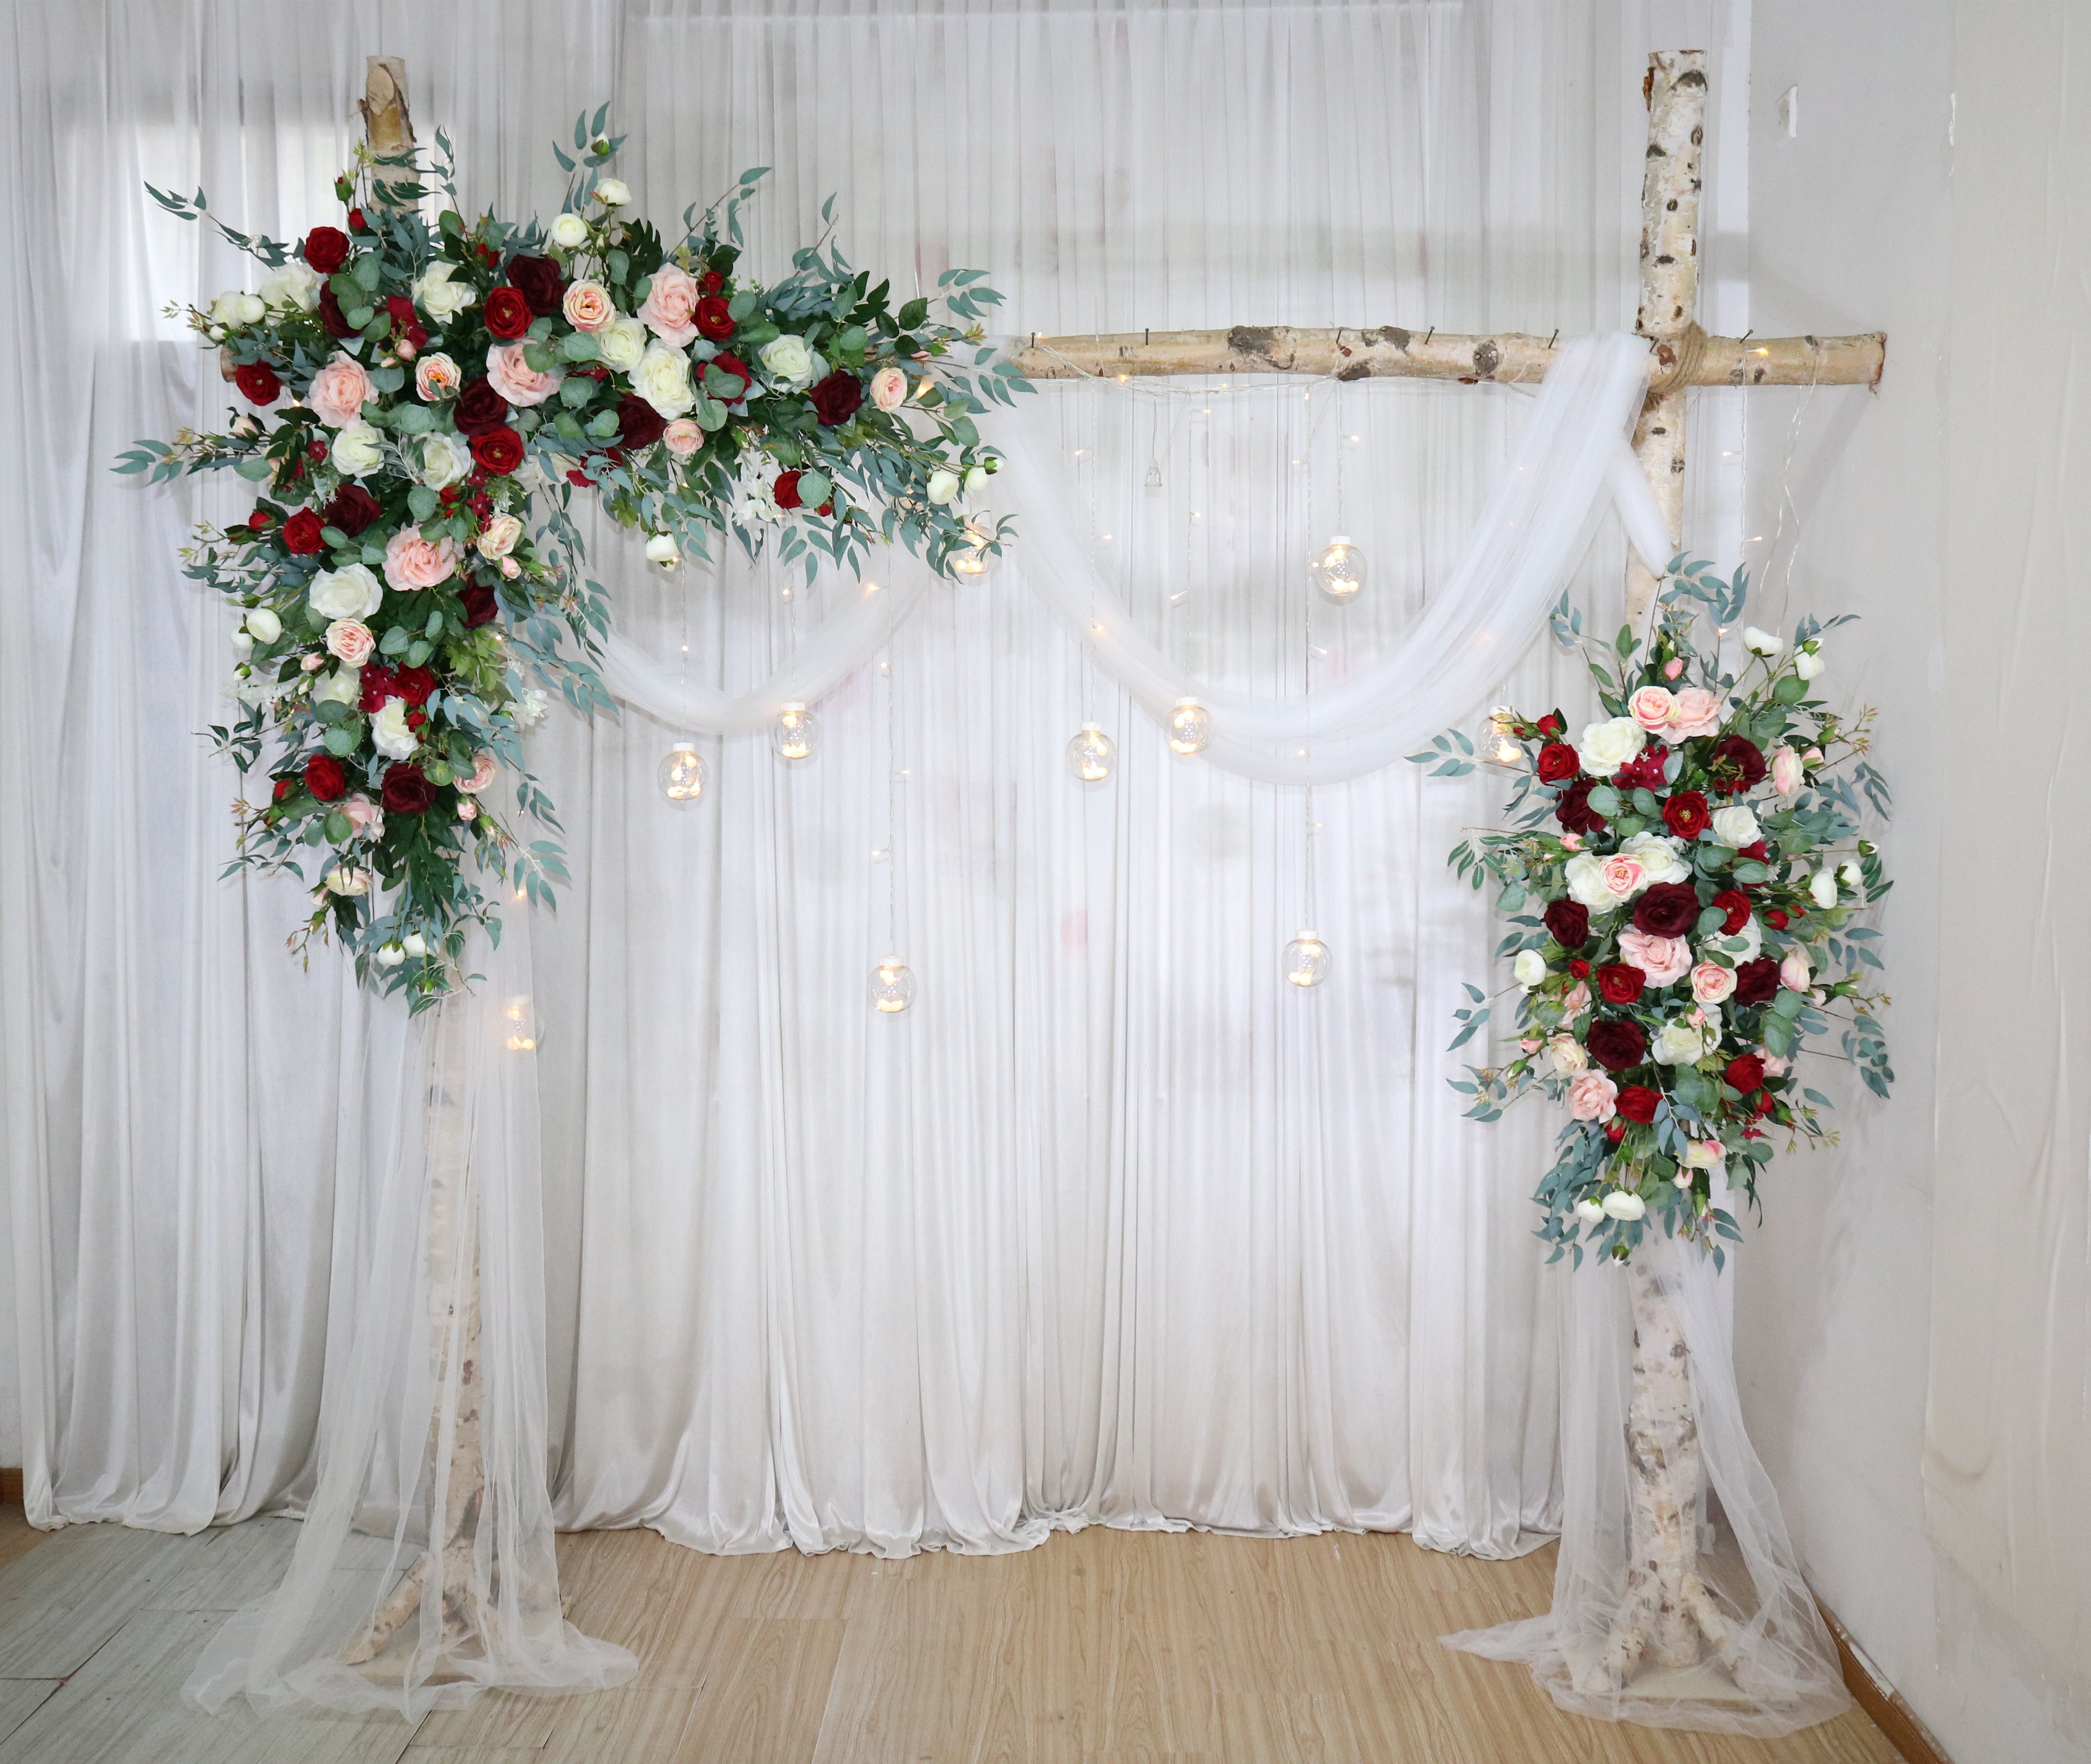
(301, 534)
(786, 490)
(352, 509)
(325, 778)
(1736, 904)
(1668, 910)
(714, 319)
(1574, 811)
(1757, 982)
(638, 424)
(1620, 983)
(407, 791)
(331, 315)
(480, 608)
(498, 452)
(1567, 923)
(541, 283)
(1637, 1102)
(1686, 814)
(733, 364)
(1745, 1072)
(479, 408)
(257, 380)
(1617, 1044)
(836, 398)
(1557, 760)
(507, 314)
(1736, 765)
(326, 249)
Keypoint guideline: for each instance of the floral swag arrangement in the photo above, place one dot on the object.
(1694, 922)
(425, 402)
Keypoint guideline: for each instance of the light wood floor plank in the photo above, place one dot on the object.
(63, 1600)
(20, 1698)
(18, 1537)
(765, 1704)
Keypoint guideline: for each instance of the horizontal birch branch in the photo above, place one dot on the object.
(1391, 352)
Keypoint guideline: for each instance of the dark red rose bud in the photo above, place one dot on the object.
(415, 685)
(406, 791)
(356, 223)
(1637, 1102)
(284, 786)
(258, 381)
(326, 249)
(1775, 917)
(1757, 982)
(1551, 723)
(733, 364)
(710, 283)
(1756, 850)
(1580, 969)
(260, 521)
(541, 281)
(325, 778)
(836, 398)
(301, 534)
(499, 450)
(1619, 982)
(507, 314)
(1574, 811)
(1557, 760)
(1615, 1130)
(1567, 923)
(1617, 1044)
(1745, 1072)
(1668, 910)
(714, 319)
(1686, 814)
(331, 315)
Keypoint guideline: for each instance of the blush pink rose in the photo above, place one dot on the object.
(1573, 1002)
(1712, 984)
(435, 378)
(515, 380)
(1591, 1096)
(1622, 875)
(1652, 708)
(364, 816)
(670, 306)
(339, 391)
(1693, 712)
(483, 766)
(684, 437)
(350, 641)
(1673, 667)
(1572, 842)
(1794, 973)
(411, 562)
(1786, 770)
(1664, 960)
(587, 306)
(889, 389)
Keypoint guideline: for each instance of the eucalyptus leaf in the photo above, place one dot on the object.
(341, 740)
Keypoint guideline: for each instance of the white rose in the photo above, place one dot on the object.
(789, 362)
(358, 448)
(975, 480)
(568, 231)
(1529, 969)
(662, 549)
(1591, 1212)
(1850, 875)
(414, 944)
(1822, 887)
(344, 685)
(1619, 1204)
(292, 288)
(1567, 1054)
(445, 460)
(1736, 827)
(1761, 642)
(1658, 858)
(499, 539)
(1586, 883)
(1606, 747)
(441, 299)
(1677, 1044)
(263, 625)
(621, 344)
(663, 378)
(350, 592)
(611, 193)
(943, 485)
(1807, 664)
(389, 732)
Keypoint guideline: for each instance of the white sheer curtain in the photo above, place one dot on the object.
(1106, 1228)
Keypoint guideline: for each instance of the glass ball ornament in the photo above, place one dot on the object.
(973, 560)
(797, 734)
(1190, 726)
(892, 985)
(1306, 960)
(681, 773)
(1090, 754)
(1339, 572)
(519, 1031)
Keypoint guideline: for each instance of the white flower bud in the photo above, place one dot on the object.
(389, 955)
(414, 944)
(1822, 887)
(568, 231)
(662, 549)
(611, 193)
(1591, 1212)
(1761, 642)
(1807, 664)
(243, 645)
(1852, 875)
(1530, 968)
(975, 480)
(943, 485)
(263, 625)
(1619, 1204)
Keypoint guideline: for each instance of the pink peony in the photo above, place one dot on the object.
(1786, 770)
(1591, 1096)
(1664, 960)
(515, 380)
(411, 562)
(1652, 706)
(684, 437)
(1693, 712)
(587, 306)
(670, 306)
(889, 389)
(339, 391)
(1711, 983)
(350, 641)
(1622, 875)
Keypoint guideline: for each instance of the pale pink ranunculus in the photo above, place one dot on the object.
(483, 766)
(684, 437)
(313, 663)
(1786, 770)
(1622, 875)
(339, 391)
(1591, 1096)
(1651, 707)
(1572, 842)
(364, 816)
(670, 306)
(1711, 983)
(1573, 1002)
(889, 389)
(587, 306)
(515, 380)
(467, 809)
(436, 377)
(1693, 712)
(349, 640)
(1664, 960)
(1794, 973)
(411, 562)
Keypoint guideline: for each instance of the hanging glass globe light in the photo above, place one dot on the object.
(519, 1025)
(1190, 726)
(1306, 960)
(1339, 572)
(892, 985)
(796, 733)
(975, 560)
(682, 773)
(1090, 754)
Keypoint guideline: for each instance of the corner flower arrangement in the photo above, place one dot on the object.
(1687, 922)
(423, 401)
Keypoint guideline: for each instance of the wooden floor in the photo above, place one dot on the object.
(1101, 1648)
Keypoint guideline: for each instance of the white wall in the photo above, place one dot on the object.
(1868, 220)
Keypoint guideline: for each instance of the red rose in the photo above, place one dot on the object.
(540, 282)
(406, 791)
(352, 509)
(786, 490)
(257, 380)
(1615, 1130)
(480, 608)
(1765, 1104)
(1557, 760)
(1580, 969)
(260, 521)
(1619, 982)
(301, 533)
(1637, 1102)
(1686, 814)
(1736, 765)
(1550, 722)
(415, 685)
(284, 786)
(1666, 909)
(1574, 811)
(356, 223)
(507, 314)
(1757, 982)
(710, 283)
(500, 450)
(1736, 904)
(638, 424)
(1617, 1042)
(1567, 923)
(714, 319)
(1745, 1072)
(1776, 918)
(479, 408)
(407, 326)
(1755, 849)
(733, 364)
(836, 398)
(325, 778)
(379, 683)
(331, 315)
(326, 249)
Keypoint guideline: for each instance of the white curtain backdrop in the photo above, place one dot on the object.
(1113, 1225)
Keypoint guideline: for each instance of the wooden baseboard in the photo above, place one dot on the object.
(1881, 1700)
(11, 1488)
